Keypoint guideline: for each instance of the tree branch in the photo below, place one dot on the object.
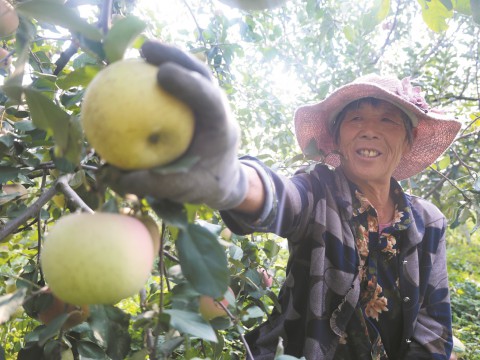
(106, 16)
(387, 39)
(62, 184)
(12, 225)
(463, 136)
(65, 57)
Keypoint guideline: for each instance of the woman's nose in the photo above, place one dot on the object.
(369, 129)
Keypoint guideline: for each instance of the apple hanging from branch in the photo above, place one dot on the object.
(97, 258)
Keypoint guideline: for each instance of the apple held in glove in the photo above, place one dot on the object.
(130, 121)
(214, 175)
(97, 258)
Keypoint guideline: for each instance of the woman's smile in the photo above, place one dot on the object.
(372, 141)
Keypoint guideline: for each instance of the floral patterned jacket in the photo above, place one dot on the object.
(314, 211)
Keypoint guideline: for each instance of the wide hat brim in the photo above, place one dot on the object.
(435, 131)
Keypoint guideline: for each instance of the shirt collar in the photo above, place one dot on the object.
(402, 218)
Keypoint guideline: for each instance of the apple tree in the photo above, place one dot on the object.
(268, 62)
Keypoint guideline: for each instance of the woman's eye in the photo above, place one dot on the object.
(389, 120)
(355, 118)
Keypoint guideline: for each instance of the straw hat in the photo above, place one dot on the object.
(435, 130)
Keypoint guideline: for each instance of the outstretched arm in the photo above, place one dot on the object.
(255, 197)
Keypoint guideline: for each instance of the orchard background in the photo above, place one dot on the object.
(268, 62)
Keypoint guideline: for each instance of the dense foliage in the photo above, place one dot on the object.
(268, 62)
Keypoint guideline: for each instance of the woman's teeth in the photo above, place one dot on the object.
(368, 153)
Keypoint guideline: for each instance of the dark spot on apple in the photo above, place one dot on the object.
(154, 138)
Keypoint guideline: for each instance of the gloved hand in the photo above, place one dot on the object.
(217, 178)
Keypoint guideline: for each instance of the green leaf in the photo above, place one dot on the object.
(121, 35)
(79, 77)
(90, 351)
(203, 260)
(72, 152)
(52, 329)
(167, 347)
(10, 303)
(47, 116)
(253, 312)
(172, 213)
(8, 173)
(349, 33)
(53, 13)
(435, 14)
(271, 248)
(191, 323)
(110, 325)
(444, 162)
(66, 129)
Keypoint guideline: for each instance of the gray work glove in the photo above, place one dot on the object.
(216, 178)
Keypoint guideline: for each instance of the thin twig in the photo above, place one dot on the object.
(437, 186)
(39, 227)
(161, 298)
(161, 267)
(106, 16)
(170, 256)
(65, 57)
(387, 39)
(235, 320)
(62, 185)
(465, 197)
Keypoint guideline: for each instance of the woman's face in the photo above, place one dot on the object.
(372, 141)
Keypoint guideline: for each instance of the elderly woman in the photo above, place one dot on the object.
(367, 276)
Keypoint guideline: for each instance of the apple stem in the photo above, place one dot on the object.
(161, 268)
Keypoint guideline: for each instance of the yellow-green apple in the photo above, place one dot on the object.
(210, 309)
(57, 307)
(130, 121)
(97, 258)
(226, 234)
(8, 19)
(253, 4)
